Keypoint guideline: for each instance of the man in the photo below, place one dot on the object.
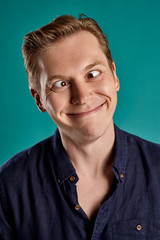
(90, 180)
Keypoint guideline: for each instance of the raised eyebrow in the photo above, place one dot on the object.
(55, 77)
(88, 67)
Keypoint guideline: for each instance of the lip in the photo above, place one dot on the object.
(82, 114)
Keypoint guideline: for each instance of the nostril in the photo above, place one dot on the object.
(78, 101)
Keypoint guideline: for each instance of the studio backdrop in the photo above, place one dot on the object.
(133, 30)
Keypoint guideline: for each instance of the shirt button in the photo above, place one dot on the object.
(77, 207)
(139, 227)
(121, 175)
(72, 178)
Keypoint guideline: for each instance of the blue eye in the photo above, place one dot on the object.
(93, 74)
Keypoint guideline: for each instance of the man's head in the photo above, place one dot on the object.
(73, 77)
(35, 43)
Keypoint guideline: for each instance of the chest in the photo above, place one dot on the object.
(92, 193)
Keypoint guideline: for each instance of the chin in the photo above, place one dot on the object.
(91, 133)
(86, 132)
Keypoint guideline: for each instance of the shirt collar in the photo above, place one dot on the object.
(121, 152)
(65, 168)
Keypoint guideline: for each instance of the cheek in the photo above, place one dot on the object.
(55, 103)
(106, 87)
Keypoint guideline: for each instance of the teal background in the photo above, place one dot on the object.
(133, 29)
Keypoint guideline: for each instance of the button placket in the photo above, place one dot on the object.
(72, 179)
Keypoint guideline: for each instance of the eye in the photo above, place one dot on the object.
(60, 84)
(93, 74)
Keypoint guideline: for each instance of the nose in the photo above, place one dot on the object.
(80, 93)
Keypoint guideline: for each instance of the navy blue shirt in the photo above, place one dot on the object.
(38, 197)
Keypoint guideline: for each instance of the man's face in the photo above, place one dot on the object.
(78, 89)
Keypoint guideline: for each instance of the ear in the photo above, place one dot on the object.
(115, 76)
(36, 96)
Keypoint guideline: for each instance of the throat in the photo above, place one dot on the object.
(93, 154)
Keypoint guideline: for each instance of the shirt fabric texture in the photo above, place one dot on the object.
(38, 197)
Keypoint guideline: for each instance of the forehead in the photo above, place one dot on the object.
(79, 40)
(72, 51)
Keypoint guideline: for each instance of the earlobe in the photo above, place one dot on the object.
(36, 96)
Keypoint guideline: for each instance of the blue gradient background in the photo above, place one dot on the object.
(133, 29)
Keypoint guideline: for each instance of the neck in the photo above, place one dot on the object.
(92, 158)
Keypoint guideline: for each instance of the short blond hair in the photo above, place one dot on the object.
(37, 41)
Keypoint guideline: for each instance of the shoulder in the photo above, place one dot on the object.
(141, 152)
(137, 146)
(26, 158)
(140, 157)
(141, 144)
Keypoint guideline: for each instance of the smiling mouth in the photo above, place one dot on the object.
(82, 114)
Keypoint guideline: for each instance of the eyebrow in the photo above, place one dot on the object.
(58, 76)
(95, 63)
(52, 77)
